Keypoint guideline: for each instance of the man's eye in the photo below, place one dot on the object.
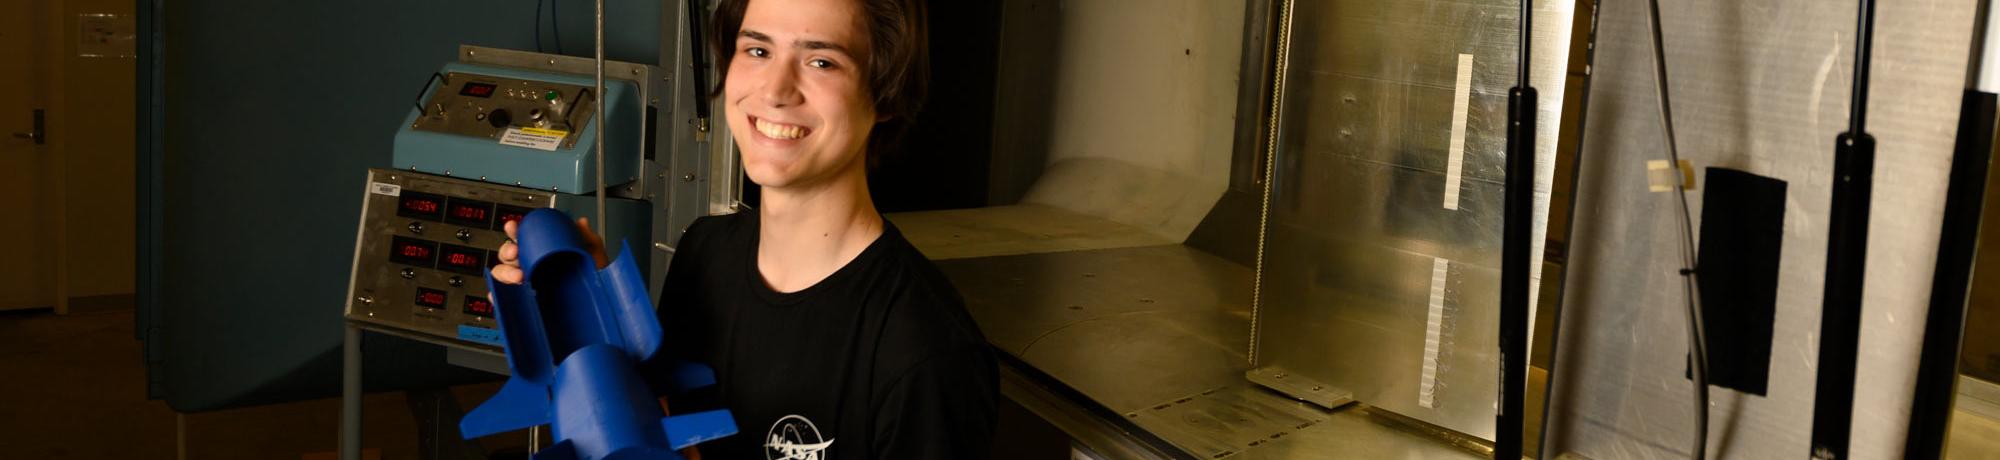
(757, 52)
(820, 64)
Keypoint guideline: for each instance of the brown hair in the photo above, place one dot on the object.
(897, 72)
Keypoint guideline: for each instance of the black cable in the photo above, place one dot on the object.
(538, 27)
(555, 23)
(1697, 337)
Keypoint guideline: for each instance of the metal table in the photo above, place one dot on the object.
(1140, 352)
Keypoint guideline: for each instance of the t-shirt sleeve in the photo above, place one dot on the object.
(941, 408)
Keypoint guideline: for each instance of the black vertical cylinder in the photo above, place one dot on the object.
(1840, 318)
(1515, 262)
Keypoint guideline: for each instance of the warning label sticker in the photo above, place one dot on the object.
(534, 138)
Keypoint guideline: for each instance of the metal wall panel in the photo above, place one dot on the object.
(1381, 272)
(1760, 86)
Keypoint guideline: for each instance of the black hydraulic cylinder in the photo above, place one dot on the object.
(1515, 261)
(1846, 260)
(1840, 318)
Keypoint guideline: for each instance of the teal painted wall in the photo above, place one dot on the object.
(272, 113)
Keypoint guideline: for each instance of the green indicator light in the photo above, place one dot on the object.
(552, 95)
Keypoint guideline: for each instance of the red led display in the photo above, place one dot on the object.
(411, 251)
(478, 306)
(470, 261)
(470, 213)
(431, 298)
(505, 213)
(477, 89)
(420, 205)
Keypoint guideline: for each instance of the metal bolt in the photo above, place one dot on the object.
(482, 177)
(635, 71)
(471, 52)
(687, 178)
(552, 61)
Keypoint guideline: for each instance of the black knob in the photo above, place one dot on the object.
(500, 118)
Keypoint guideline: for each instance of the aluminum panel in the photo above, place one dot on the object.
(1380, 271)
(1760, 86)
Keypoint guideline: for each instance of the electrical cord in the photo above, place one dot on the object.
(538, 27)
(1698, 339)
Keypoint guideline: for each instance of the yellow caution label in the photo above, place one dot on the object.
(545, 132)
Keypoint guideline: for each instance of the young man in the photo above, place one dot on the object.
(831, 336)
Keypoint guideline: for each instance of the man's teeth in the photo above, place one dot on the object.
(780, 131)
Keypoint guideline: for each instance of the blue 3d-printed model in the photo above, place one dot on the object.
(575, 337)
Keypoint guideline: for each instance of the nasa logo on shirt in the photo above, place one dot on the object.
(795, 438)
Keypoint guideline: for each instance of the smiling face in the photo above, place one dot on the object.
(796, 95)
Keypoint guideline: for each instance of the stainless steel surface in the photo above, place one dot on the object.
(1380, 271)
(1760, 87)
(1145, 332)
(700, 154)
(452, 112)
(1301, 387)
(382, 295)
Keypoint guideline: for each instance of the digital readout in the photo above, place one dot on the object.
(470, 261)
(504, 213)
(478, 306)
(470, 213)
(431, 298)
(477, 89)
(411, 251)
(420, 205)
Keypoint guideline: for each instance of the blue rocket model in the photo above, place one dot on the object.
(575, 337)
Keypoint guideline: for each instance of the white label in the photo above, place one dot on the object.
(1461, 100)
(534, 138)
(379, 188)
(1433, 333)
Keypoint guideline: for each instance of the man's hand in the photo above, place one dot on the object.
(509, 270)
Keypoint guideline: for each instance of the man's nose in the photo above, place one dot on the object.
(781, 87)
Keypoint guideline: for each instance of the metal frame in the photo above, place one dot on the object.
(1932, 403)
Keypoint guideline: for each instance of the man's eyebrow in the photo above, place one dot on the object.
(802, 44)
(820, 45)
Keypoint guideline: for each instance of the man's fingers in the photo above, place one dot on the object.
(507, 274)
(510, 254)
(510, 229)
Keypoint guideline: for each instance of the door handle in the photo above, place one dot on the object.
(40, 134)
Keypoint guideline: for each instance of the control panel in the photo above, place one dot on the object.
(424, 247)
(493, 107)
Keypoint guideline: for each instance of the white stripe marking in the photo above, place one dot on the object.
(1461, 101)
(1433, 332)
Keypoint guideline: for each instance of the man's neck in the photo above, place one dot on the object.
(809, 232)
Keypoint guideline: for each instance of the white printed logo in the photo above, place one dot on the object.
(794, 438)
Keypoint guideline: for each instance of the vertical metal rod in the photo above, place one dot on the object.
(350, 395)
(602, 106)
(1527, 25)
(180, 436)
(1515, 259)
(1846, 263)
(1864, 36)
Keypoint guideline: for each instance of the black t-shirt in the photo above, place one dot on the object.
(878, 360)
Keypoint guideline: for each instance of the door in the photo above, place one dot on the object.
(27, 210)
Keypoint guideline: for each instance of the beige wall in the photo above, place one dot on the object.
(1143, 114)
(92, 125)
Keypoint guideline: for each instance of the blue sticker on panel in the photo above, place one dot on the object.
(479, 334)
